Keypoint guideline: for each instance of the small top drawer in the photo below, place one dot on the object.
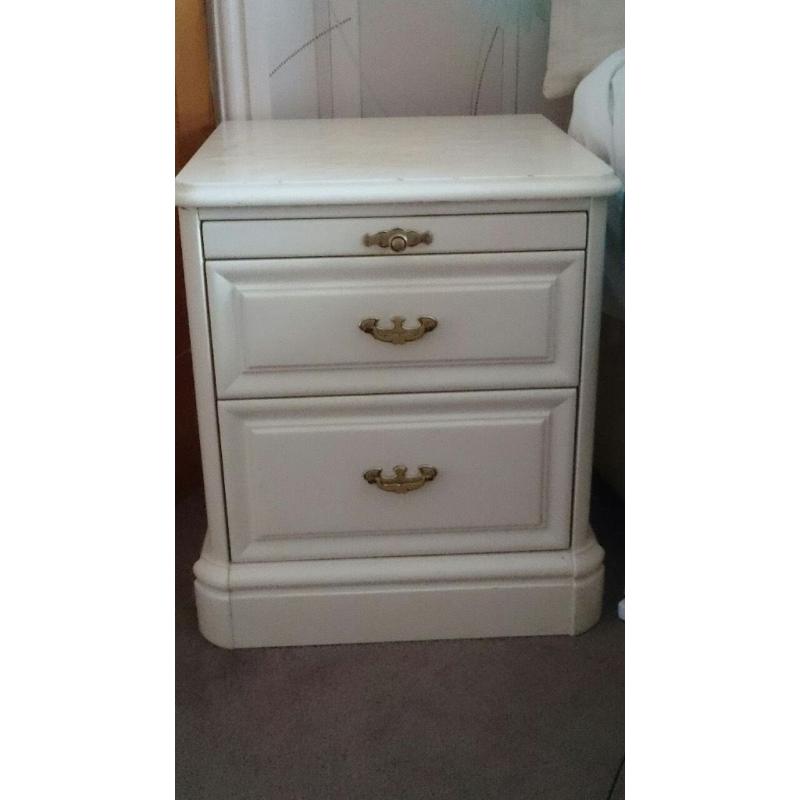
(468, 233)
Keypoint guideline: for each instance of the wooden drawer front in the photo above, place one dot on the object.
(473, 233)
(291, 327)
(294, 474)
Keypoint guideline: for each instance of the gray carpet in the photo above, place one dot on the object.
(497, 718)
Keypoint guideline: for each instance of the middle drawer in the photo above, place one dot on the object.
(319, 326)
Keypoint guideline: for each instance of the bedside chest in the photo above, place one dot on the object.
(394, 332)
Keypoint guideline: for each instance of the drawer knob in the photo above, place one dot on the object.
(400, 483)
(397, 239)
(397, 334)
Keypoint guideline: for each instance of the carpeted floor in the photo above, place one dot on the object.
(538, 718)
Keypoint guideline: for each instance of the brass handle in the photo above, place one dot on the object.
(398, 239)
(397, 334)
(400, 484)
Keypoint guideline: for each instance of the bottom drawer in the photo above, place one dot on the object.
(486, 472)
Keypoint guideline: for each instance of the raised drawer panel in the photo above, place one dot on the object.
(292, 327)
(503, 482)
(471, 233)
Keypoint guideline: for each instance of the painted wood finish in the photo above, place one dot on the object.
(466, 233)
(296, 402)
(291, 327)
(401, 159)
(344, 58)
(504, 462)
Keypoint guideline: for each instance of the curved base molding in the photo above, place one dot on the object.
(398, 599)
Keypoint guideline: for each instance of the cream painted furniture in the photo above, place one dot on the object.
(394, 330)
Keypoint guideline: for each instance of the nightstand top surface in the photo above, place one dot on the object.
(390, 159)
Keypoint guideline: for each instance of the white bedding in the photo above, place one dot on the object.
(598, 112)
(598, 123)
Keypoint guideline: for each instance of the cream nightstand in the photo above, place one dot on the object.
(394, 330)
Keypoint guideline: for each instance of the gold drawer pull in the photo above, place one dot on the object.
(400, 484)
(398, 239)
(397, 334)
